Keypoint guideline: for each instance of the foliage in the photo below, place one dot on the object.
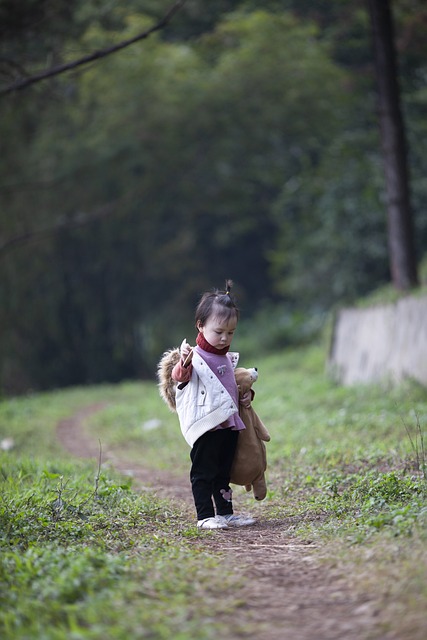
(82, 562)
(357, 506)
(240, 142)
(353, 458)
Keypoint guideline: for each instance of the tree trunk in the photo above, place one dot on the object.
(403, 264)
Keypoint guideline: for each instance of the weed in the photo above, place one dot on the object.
(417, 444)
(74, 560)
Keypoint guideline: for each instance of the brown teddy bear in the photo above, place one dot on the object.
(250, 461)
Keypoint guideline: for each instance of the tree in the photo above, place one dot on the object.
(251, 152)
(400, 224)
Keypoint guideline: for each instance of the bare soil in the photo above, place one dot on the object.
(288, 592)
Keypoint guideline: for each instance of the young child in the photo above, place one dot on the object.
(207, 401)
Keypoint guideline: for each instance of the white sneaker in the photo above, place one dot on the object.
(217, 522)
(238, 521)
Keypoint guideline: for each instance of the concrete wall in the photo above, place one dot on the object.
(381, 343)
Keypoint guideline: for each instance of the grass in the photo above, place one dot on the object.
(85, 556)
(94, 560)
(389, 294)
(347, 463)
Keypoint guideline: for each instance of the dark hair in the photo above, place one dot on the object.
(218, 303)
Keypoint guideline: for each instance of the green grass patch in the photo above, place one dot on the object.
(90, 558)
(344, 462)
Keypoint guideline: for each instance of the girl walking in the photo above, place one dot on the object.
(207, 401)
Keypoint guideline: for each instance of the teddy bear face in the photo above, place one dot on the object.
(245, 378)
(254, 374)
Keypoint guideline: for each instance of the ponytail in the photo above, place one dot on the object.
(216, 302)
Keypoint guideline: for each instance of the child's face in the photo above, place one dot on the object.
(218, 331)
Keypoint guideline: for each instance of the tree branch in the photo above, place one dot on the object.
(78, 220)
(96, 55)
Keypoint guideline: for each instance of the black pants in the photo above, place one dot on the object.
(212, 456)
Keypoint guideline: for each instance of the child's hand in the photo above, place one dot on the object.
(246, 399)
(186, 352)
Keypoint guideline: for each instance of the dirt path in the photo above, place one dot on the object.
(289, 594)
